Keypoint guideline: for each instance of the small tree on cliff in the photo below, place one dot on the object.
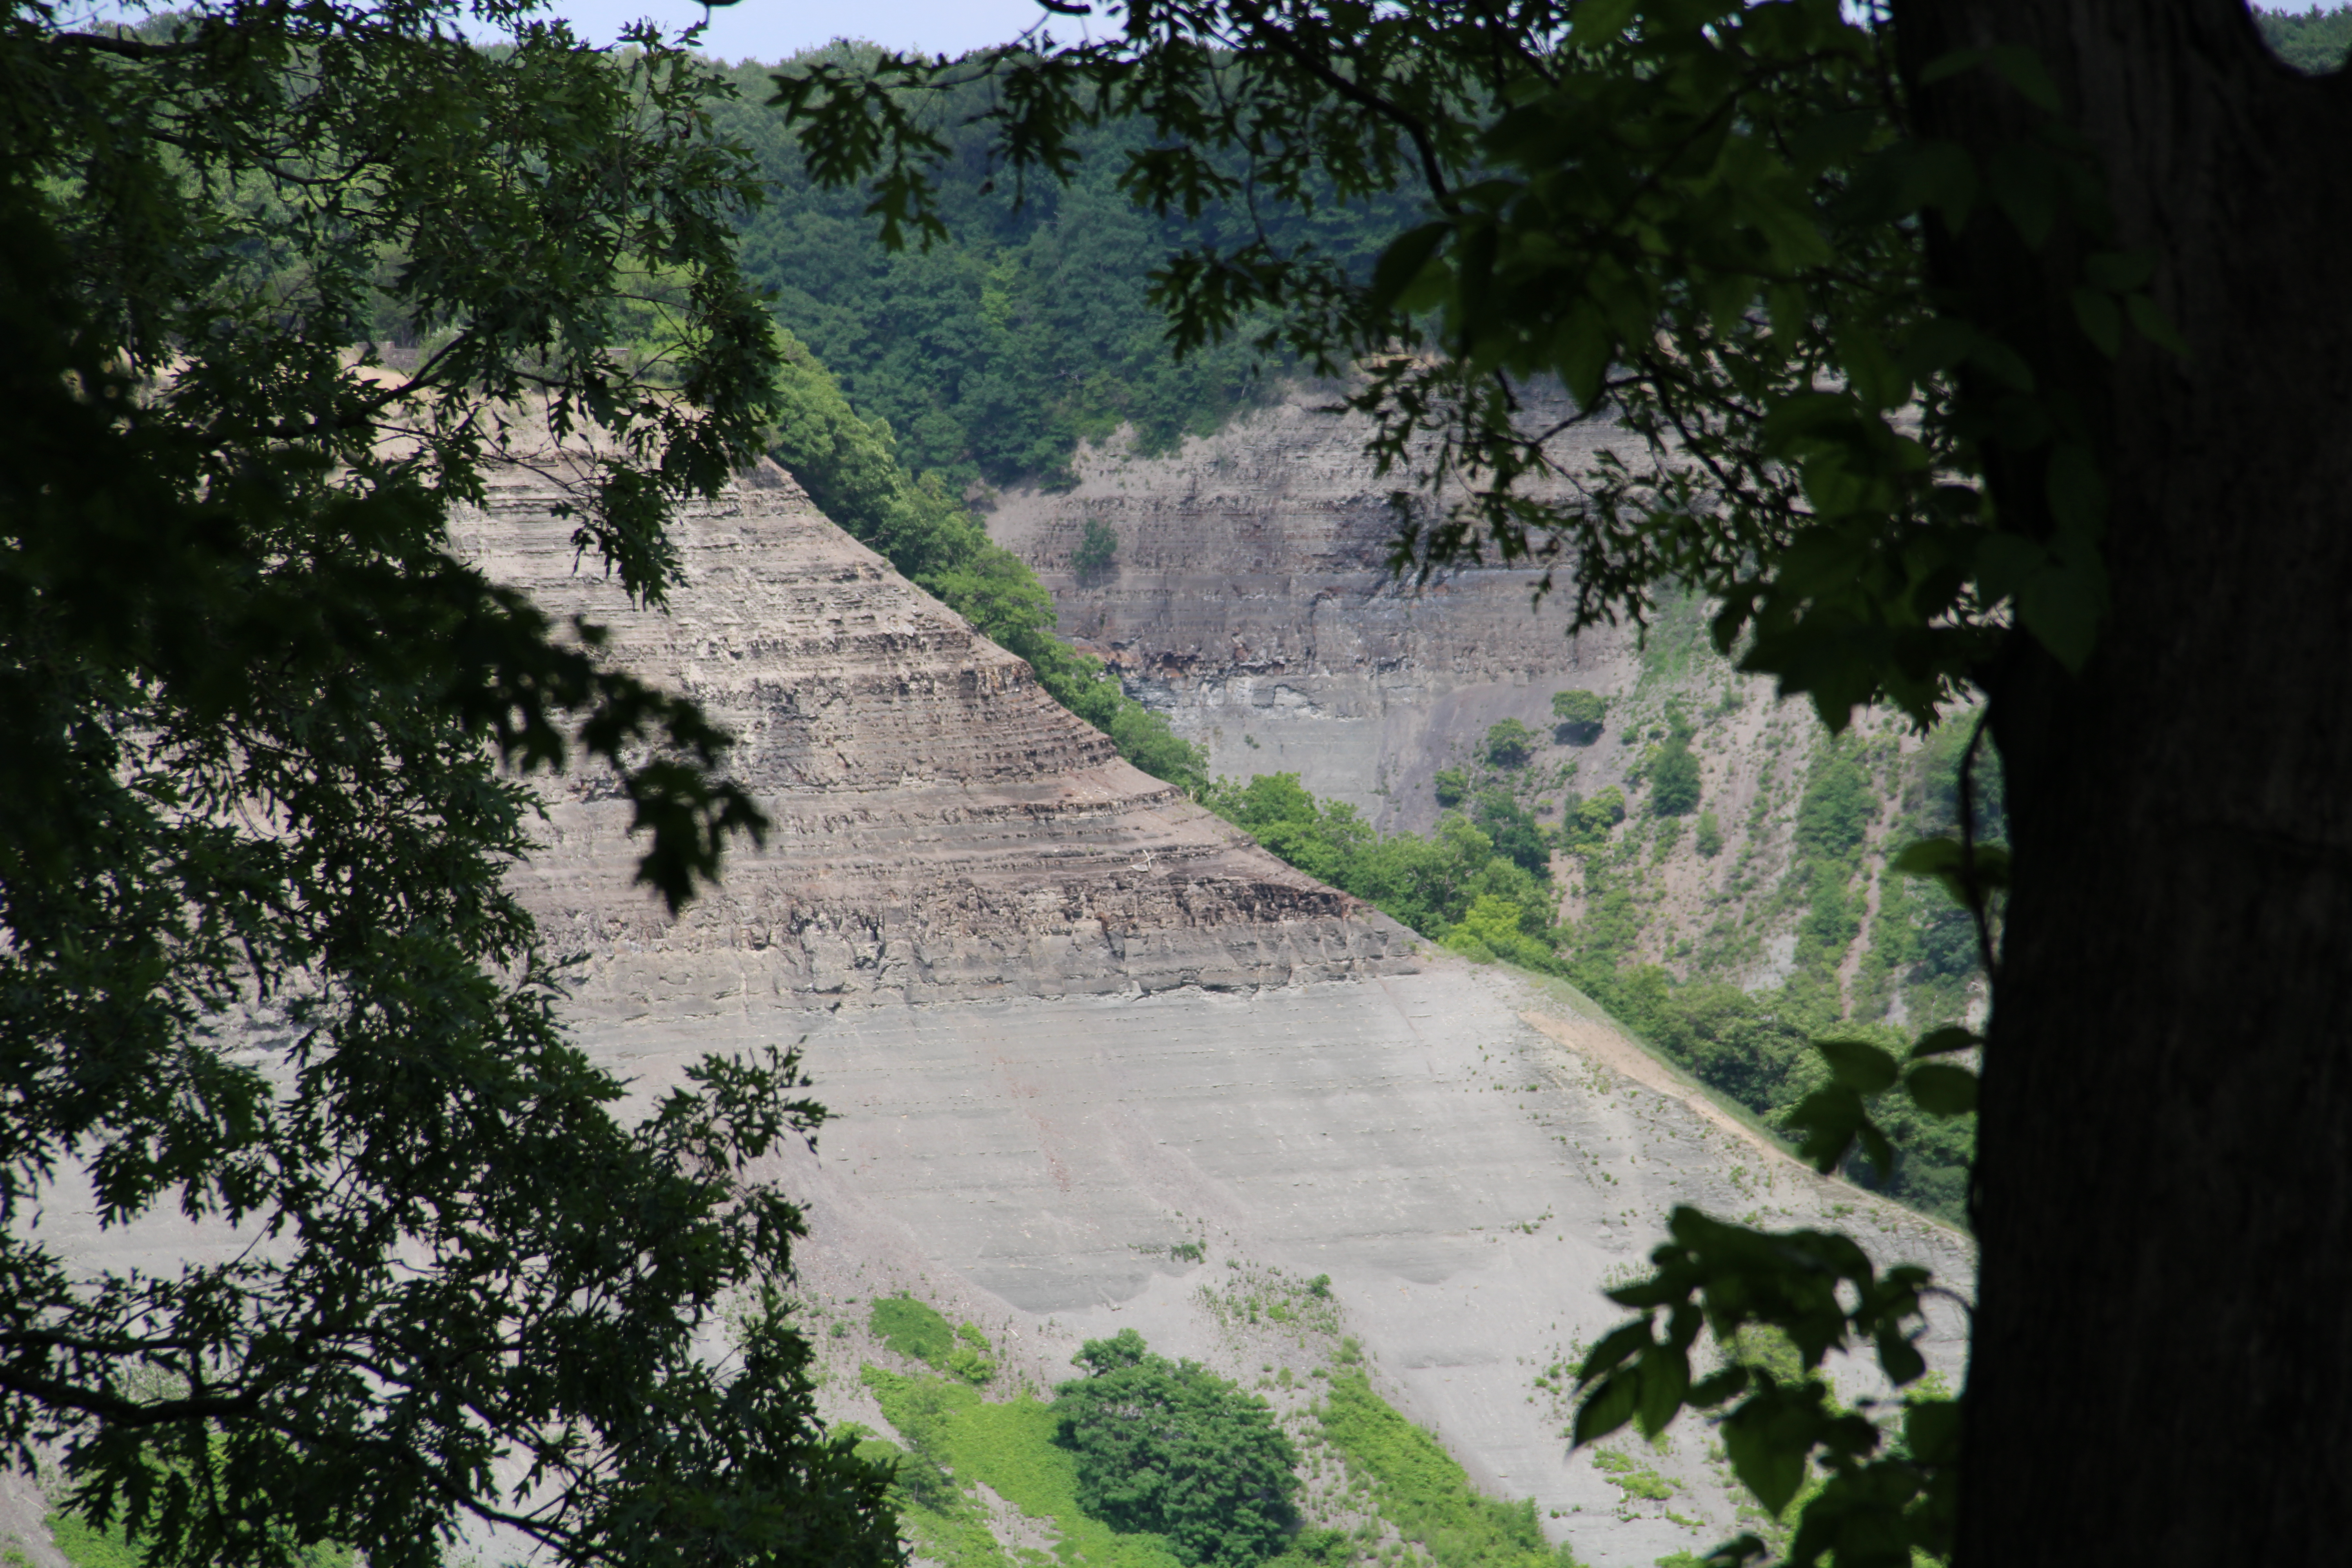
(1580, 715)
(1096, 552)
(1960, 346)
(277, 283)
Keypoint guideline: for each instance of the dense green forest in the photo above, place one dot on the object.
(2315, 41)
(991, 352)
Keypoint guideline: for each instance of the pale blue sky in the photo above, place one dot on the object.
(773, 30)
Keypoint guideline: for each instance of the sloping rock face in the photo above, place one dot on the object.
(1251, 602)
(1095, 1062)
(941, 828)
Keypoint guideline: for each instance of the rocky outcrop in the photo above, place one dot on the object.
(942, 829)
(1251, 602)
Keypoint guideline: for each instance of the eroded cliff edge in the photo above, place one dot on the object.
(1251, 602)
(942, 829)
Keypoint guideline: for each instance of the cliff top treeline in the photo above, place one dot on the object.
(1031, 326)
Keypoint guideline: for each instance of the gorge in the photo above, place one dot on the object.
(1096, 1061)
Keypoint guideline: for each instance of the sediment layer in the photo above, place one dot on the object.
(942, 829)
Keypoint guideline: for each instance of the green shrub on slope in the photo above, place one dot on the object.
(1008, 1446)
(919, 1333)
(1430, 884)
(1424, 1492)
(1172, 1449)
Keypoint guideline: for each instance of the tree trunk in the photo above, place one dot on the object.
(2163, 1348)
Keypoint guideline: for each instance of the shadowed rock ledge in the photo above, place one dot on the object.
(942, 830)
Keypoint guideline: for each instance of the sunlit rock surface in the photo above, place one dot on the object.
(1251, 601)
(1095, 1061)
(941, 828)
(1068, 1024)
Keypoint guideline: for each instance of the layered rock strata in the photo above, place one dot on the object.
(1250, 601)
(942, 829)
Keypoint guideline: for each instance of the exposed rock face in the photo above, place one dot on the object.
(1095, 1061)
(941, 828)
(1251, 602)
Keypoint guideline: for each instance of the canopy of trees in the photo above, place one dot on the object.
(1026, 323)
(2316, 40)
(276, 284)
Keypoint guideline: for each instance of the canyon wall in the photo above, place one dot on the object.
(1096, 1061)
(940, 828)
(1251, 602)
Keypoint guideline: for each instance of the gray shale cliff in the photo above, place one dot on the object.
(942, 829)
(1251, 603)
(1095, 1060)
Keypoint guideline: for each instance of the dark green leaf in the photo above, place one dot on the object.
(1768, 1439)
(1931, 1427)
(1942, 1090)
(2102, 322)
(1858, 1064)
(1606, 1408)
(1666, 1379)
(2120, 271)
(2062, 605)
(1617, 1345)
(1403, 262)
(1598, 21)
(2023, 180)
(1951, 1037)
(1830, 1119)
(2077, 491)
(2155, 326)
(1897, 1357)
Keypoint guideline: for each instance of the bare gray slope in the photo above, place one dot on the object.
(1465, 1178)
(941, 827)
(1068, 1021)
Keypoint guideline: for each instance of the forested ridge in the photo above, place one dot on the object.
(2315, 41)
(992, 350)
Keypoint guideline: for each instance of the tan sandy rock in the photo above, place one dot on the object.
(941, 828)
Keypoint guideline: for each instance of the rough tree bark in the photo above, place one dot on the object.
(2163, 1367)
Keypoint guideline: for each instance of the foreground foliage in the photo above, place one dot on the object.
(276, 284)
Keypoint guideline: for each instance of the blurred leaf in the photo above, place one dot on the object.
(1943, 1089)
(1950, 1038)
(1861, 1067)
(2155, 326)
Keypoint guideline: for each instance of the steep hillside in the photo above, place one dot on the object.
(1729, 916)
(1249, 600)
(941, 827)
(1096, 1062)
